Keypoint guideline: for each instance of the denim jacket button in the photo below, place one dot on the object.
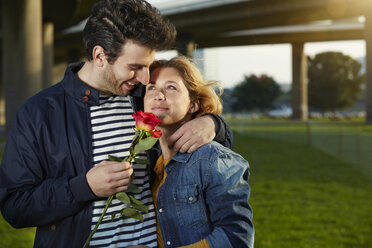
(168, 242)
(161, 210)
(191, 198)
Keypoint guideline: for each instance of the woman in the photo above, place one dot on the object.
(201, 197)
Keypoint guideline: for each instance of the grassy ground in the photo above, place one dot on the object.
(348, 141)
(19, 238)
(302, 197)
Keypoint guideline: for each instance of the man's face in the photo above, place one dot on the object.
(130, 69)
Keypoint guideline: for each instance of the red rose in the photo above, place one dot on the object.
(156, 134)
(146, 121)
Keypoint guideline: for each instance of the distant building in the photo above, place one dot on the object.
(362, 61)
(208, 62)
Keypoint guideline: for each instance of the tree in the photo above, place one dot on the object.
(334, 81)
(255, 93)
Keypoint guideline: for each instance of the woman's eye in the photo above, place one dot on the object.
(171, 87)
(150, 87)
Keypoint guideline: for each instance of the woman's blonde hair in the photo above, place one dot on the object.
(200, 91)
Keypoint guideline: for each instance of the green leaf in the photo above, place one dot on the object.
(127, 159)
(141, 161)
(134, 200)
(113, 216)
(128, 212)
(133, 189)
(138, 216)
(113, 158)
(123, 197)
(142, 208)
(131, 213)
(145, 144)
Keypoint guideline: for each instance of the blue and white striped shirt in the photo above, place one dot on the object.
(112, 129)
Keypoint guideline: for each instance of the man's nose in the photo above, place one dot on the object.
(143, 75)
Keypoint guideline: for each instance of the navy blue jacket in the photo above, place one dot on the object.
(47, 154)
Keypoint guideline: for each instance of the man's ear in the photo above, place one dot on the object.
(194, 107)
(99, 56)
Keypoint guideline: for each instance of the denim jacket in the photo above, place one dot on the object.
(205, 195)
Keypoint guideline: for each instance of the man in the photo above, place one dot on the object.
(54, 173)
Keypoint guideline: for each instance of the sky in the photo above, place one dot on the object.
(228, 65)
(272, 60)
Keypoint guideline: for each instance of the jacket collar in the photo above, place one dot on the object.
(182, 157)
(83, 92)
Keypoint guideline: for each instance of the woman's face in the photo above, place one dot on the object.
(167, 97)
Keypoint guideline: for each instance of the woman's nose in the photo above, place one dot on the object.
(160, 95)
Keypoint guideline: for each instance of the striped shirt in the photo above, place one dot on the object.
(112, 129)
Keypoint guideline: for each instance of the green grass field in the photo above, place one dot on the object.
(15, 238)
(350, 142)
(302, 196)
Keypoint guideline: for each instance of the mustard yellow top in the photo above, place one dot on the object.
(161, 174)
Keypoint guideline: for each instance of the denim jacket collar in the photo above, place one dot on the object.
(181, 158)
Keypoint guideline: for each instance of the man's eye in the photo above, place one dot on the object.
(135, 68)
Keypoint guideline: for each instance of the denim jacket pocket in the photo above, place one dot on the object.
(190, 205)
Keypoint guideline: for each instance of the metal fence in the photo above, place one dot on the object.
(349, 142)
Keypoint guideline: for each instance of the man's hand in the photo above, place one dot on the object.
(193, 134)
(109, 177)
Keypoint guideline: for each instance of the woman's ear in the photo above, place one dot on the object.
(194, 107)
(99, 56)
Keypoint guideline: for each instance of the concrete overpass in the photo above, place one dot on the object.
(33, 35)
(27, 35)
(229, 23)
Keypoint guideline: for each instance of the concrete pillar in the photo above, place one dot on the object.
(48, 53)
(2, 101)
(22, 53)
(299, 82)
(185, 45)
(368, 38)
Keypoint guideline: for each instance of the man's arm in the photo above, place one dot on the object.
(32, 193)
(224, 134)
(200, 131)
(28, 195)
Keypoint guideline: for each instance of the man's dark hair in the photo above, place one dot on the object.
(113, 22)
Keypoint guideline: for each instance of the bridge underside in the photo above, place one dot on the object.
(213, 23)
(273, 22)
